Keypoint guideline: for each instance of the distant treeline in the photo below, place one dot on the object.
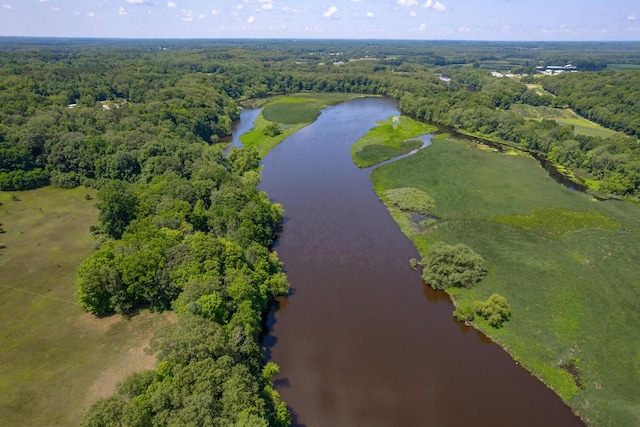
(135, 99)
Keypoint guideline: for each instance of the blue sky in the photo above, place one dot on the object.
(354, 19)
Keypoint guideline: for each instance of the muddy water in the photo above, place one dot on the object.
(360, 341)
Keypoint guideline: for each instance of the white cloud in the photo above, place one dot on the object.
(408, 3)
(8, 6)
(215, 12)
(330, 12)
(370, 15)
(631, 18)
(251, 20)
(140, 2)
(44, 1)
(423, 27)
(91, 14)
(437, 6)
(187, 15)
(413, 14)
(267, 6)
(171, 4)
(464, 30)
(122, 11)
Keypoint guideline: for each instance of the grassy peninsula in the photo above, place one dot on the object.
(566, 263)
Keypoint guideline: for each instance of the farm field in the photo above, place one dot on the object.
(56, 359)
(566, 263)
(563, 117)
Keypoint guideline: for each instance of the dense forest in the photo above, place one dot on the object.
(183, 227)
(131, 101)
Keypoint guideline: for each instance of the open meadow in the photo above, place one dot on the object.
(566, 263)
(55, 358)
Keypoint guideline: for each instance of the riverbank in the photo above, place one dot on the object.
(564, 261)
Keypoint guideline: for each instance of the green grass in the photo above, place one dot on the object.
(563, 117)
(566, 263)
(263, 143)
(389, 139)
(56, 359)
(293, 112)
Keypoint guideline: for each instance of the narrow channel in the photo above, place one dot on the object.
(361, 341)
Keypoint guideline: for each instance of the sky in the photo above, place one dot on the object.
(517, 20)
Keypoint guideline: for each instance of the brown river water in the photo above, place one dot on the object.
(360, 340)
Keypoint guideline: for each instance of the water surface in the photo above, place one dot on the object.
(361, 341)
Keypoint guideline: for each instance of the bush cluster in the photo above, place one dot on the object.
(410, 199)
(447, 266)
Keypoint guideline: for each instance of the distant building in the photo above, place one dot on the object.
(557, 69)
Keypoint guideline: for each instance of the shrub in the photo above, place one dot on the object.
(464, 313)
(495, 310)
(411, 200)
(448, 266)
(272, 129)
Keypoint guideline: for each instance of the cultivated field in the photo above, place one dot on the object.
(566, 263)
(55, 359)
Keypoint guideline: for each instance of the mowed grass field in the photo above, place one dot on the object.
(563, 117)
(391, 138)
(55, 359)
(567, 264)
(292, 112)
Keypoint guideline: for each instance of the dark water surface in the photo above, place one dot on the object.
(360, 341)
(244, 125)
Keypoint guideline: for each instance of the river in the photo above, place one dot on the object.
(360, 340)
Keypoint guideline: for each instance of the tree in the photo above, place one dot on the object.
(448, 266)
(117, 207)
(272, 129)
(495, 310)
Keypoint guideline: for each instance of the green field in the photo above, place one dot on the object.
(389, 139)
(56, 359)
(566, 263)
(563, 117)
(292, 112)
